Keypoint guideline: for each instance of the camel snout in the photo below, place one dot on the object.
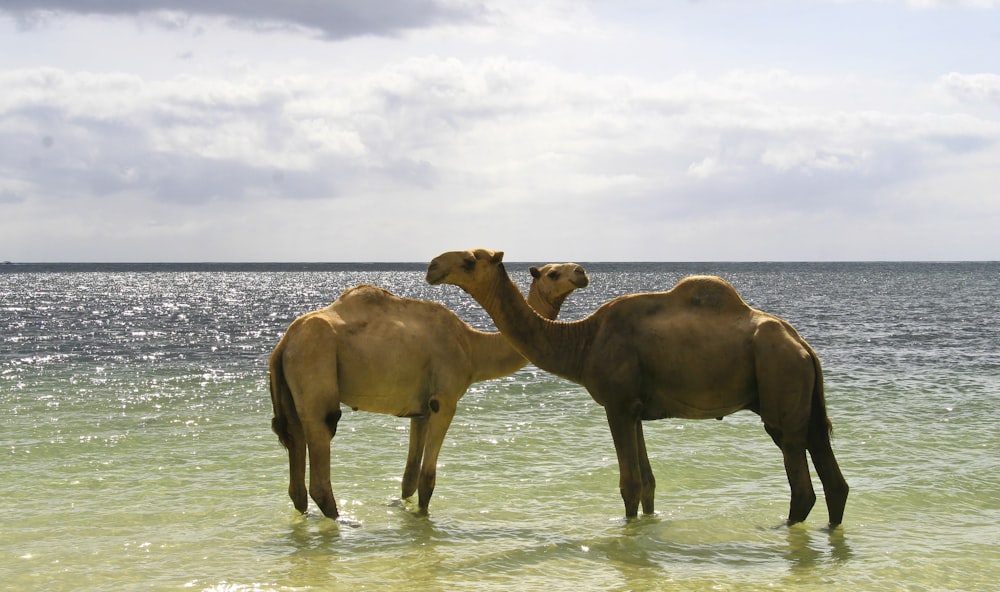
(434, 275)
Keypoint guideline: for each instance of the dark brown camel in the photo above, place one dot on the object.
(697, 351)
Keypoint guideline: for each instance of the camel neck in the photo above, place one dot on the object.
(546, 343)
(496, 357)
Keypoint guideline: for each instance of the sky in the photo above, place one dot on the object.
(552, 130)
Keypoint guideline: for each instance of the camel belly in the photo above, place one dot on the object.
(396, 385)
(698, 401)
(377, 388)
(385, 403)
(697, 378)
(694, 408)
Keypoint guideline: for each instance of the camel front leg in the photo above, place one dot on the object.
(646, 472)
(418, 436)
(624, 433)
(437, 427)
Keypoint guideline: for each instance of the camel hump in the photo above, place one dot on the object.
(365, 291)
(364, 299)
(708, 291)
(366, 295)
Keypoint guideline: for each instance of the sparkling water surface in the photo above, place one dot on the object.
(137, 454)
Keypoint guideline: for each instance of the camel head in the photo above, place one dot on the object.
(465, 269)
(557, 280)
(477, 268)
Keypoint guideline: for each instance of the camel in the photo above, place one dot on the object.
(697, 351)
(377, 352)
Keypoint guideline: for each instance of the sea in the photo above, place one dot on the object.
(137, 453)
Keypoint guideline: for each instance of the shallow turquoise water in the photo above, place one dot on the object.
(134, 428)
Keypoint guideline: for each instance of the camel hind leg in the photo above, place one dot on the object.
(319, 435)
(786, 379)
(418, 436)
(793, 450)
(646, 472)
(288, 428)
(310, 365)
(835, 487)
(442, 412)
(297, 469)
(319, 416)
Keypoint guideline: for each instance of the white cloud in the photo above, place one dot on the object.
(972, 88)
(954, 3)
(333, 19)
(494, 134)
(401, 148)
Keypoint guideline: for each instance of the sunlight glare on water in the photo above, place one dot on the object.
(135, 430)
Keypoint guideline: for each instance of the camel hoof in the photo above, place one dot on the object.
(332, 514)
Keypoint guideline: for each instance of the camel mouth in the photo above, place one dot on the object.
(434, 277)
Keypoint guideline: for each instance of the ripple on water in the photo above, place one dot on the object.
(138, 452)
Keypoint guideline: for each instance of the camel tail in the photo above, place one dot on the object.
(281, 399)
(818, 419)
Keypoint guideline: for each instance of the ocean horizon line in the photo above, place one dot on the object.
(411, 266)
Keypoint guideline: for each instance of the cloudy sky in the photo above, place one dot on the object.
(555, 130)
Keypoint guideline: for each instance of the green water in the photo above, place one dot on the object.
(137, 454)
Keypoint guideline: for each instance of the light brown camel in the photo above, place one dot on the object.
(377, 352)
(697, 351)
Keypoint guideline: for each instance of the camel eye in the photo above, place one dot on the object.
(468, 264)
(553, 275)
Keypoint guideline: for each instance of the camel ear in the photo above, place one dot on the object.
(535, 273)
(497, 257)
